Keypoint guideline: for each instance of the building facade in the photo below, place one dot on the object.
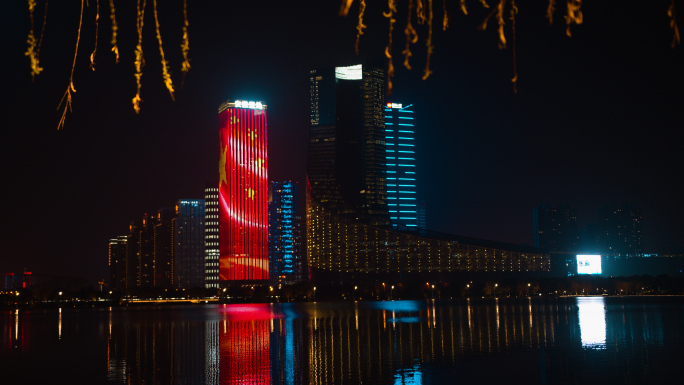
(400, 156)
(211, 238)
(243, 192)
(188, 244)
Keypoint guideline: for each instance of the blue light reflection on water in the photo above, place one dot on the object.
(553, 341)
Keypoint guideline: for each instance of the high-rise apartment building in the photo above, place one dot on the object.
(286, 265)
(118, 252)
(400, 158)
(211, 238)
(140, 262)
(620, 231)
(188, 243)
(555, 229)
(243, 192)
(163, 248)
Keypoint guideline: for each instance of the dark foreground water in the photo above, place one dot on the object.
(532, 341)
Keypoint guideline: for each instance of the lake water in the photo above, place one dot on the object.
(586, 340)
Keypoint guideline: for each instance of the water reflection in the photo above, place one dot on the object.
(592, 322)
(573, 340)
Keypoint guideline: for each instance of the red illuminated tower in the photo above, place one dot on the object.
(243, 192)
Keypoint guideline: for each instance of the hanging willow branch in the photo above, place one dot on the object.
(498, 11)
(360, 26)
(344, 7)
(67, 95)
(445, 19)
(673, 24)
(411, 36)
(514, 11)
(549, 11)
(185, 45)
(33, 50)
(428, 43)
(388, 50)
(97, 18)
(115, 27)
(165, 69)
(574, 15)
(139, 59)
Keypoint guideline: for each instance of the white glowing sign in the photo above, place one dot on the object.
(249, 104)
(588, 264)
(393, 105)
(349, 73)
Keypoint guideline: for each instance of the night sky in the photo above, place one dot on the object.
(596, 118)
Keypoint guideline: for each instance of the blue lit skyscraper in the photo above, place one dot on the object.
(285, 265)
(400, 156)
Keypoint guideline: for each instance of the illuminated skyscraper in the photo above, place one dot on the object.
(286, 260)
(118, 251)
(243, 192)
(400, 155)
(163, 247)
(140, 258)
(188, 244)
(211, 238)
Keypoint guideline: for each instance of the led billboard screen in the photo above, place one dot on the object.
(243, 192)
(588, 264)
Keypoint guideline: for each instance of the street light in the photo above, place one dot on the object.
(528, 289)
(433, 291)
(495, 286)
(392, 293)
(467, 289)
(354, 293)
(314, 293)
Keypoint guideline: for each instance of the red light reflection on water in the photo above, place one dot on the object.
(245, 343)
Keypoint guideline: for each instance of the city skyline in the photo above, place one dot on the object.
(594, 121)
